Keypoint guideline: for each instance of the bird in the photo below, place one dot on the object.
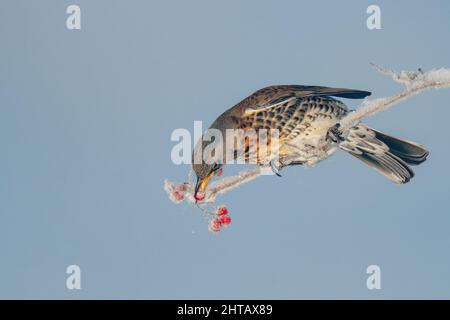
(307, 121)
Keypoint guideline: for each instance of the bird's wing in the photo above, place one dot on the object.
(274, 96)
(307, 91)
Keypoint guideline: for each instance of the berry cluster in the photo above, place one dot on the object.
(220, 216)
(222, 219)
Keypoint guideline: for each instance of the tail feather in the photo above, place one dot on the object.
(388, 165)
(388, 155)
(411, 152)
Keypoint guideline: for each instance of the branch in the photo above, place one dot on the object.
(219, 187)
(415, 83)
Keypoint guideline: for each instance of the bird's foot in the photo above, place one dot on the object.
(275, 165)
(334, 134)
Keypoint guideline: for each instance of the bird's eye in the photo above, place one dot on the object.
(216, 167)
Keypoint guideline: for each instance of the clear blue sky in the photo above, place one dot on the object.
(85, 124)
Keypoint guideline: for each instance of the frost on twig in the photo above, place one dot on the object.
(414, 82)
(221, 186)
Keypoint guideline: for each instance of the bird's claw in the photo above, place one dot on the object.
(275, 166)
(334, 134)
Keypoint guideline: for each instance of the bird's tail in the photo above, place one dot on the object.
(388, 155)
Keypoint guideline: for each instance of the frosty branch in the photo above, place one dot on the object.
(414, 81)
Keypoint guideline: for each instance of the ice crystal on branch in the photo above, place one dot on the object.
(414, 81)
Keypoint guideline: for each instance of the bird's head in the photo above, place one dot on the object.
(209, 155)
(204, 172)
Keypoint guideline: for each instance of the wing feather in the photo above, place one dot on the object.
(274, 96)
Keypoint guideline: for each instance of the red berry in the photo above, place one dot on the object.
(222, 211)
(178, 196)
(219, 172)
(215, 225)
(200, 195)
(226, 220)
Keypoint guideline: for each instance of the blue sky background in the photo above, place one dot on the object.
(85, 124)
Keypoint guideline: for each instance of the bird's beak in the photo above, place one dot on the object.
(201, 186)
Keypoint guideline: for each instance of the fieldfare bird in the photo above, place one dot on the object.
(306, 118)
